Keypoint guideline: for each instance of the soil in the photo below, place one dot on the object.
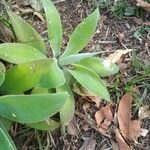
(111, 34)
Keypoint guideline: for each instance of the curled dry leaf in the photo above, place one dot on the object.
(95, 99)
(113, 58)
(124, 114)
(84, 92)
(122, 144)
(39, 15)
(129, 129)
(104, 118)
(135, 128)
(145, 5)
(89, 144)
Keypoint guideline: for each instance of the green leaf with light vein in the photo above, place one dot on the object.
(100, 66)
(54, 77)
(76, 58)
(23, 77)
(25, 33)
(2, 73)
(18, 53)
(31, 108)
(6, 142)
(89, 80)
(68, 109)
(82, 34)
(54, 26)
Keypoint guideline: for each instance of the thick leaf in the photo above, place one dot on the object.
(17, 53)
(46, 125)
(6, 141)
(23, 77)
(75, 58)
(100, 66)
(7, 123)
(2, 73)
(54, 77)
(39, 90)
(54, 26)
(26, 33)
(82, 34)
(89, 80)
(31, 108)
(68, 109)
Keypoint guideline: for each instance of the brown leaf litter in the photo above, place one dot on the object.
(89, 144)
(115, 57)
(129, 129)
(145, 5)
(104, 118)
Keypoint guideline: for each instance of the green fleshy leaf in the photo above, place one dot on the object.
(23, 77)
(6, 141)
(54, 77)
(100, 66)
(7, 123)
(82, 34)
(17, 53)
(2, 73)
(46, 125)
(75, 58)
(89, 80)
(25, 33)
(68, 109)
(54, 26)
(31, 108)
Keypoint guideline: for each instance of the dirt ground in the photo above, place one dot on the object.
(111, 34)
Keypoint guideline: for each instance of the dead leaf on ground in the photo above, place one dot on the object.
(117, 55)
(145, 5)
(135, 128)
(72, 127)
(144, 132)
(78, 89)
(144, 112)
(122, 144)
(114, 145)
(39, 15)
(124, 114)
(129, 129)
(95, 99)
(89, 144)
(104, 118)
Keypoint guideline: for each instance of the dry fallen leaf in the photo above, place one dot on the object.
(144, 112)
(89, 144)
(39, 15)
(124, 114)
(144, 132)
(145, 5)
(72, 127)
(95, 99)
(78, 89)
(114, 145)
(122, 144)
(104, 118)
(117, 55)
(135, 128)
(129, 129)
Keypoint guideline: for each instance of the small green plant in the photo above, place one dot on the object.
(124, 8)
(141, 31)
(36, 87)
